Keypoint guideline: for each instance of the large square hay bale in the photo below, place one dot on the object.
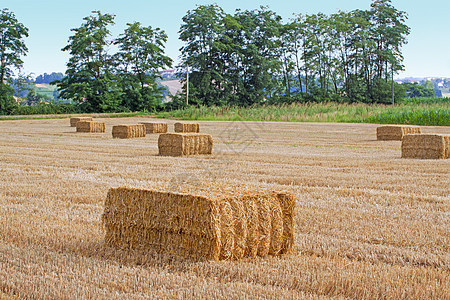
(128, 131)
(178, 144)
(432, 146)
(151, 127)
(187, 127)
(74, 121)
(215, 225)
(395, 132)
(91, 126)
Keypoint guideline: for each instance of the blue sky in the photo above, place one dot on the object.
(49, 21)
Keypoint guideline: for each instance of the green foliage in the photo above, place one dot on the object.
(431, 113)
(232, 58)
(428, 117)
(426, 100)
(48, 78)
(47, 108)
(7, 102)
(416, 90)
(141, 53)
(125, 81)
(12, 46)
(89, 78)
(251, 57)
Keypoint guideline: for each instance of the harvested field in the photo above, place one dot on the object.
(186, 127)
(151, 127)
(128, 131)
(395, 132)
(427, 146)
(91, 126)
(369, 224)
(75, 120)
(179, 144)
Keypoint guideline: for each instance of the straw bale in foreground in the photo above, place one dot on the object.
(91, 126)
(128, 131)
(395, 132)
(216, 226)
(152, 127)
(432, 146)
(187, 127)
(74, 121)
(178, 144)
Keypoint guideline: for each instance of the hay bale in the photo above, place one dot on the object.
(395, 132)
(91, 126)
(178, 144)
(187, 127)
(432, 146)
(74, 121)
(214, 225)
(128, 131)
(151, 127)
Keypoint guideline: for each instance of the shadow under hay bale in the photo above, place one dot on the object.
(75, 120)
(426, 146)
(128, 131)
(187, 127)
(91, 126)
(151, 127)
(214, 226)
(395, 132)
(179, 144)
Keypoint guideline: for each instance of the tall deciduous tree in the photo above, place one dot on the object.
(12, 47)
(90, 78)
(202, 31)
(141, 53)
(389, 33)
(260, 65)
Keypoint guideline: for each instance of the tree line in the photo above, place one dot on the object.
(252, 57)
(245, 58)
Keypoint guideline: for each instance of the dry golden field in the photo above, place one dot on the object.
(369, 224)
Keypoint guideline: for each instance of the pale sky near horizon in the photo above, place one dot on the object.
(427, 53)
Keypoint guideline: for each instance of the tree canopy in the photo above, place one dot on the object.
(12, 48)
(252, 57)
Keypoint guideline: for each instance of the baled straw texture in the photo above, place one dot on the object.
(75, 120)
(187, 127)
(128, 131)
(431, 146)
(179, 144)
(151, 127)
(215, 226)
(91, 126)
(395, 132)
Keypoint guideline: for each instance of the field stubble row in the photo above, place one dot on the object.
(369, 224)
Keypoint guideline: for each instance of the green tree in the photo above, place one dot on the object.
(23, 83)
(33, 98)
(389, 32)
(141, 53)
(416, 90)
(260, 65)
(89, 78)
(12, 47)
(202, 30)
